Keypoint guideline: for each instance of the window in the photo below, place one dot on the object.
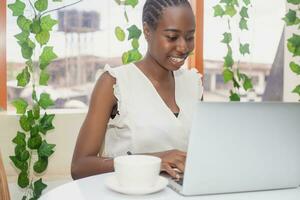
(265, 30)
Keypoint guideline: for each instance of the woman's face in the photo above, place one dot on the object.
(173, 39)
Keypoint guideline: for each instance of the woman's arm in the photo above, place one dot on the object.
(86, 161)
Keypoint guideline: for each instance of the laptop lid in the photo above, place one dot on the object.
(237, 147)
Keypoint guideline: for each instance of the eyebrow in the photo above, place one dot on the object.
(177, 31)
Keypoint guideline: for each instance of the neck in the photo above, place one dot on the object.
(152, 68)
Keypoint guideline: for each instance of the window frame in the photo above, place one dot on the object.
(3, 74)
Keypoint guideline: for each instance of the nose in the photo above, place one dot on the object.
(182, 45)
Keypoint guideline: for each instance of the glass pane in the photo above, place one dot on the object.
(265, 29)
(84, 41)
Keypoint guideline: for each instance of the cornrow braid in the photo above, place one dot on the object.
(153, 9)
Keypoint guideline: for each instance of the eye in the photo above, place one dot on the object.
(171, 38)
(190, 38)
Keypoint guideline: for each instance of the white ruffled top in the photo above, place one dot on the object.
(144, 123)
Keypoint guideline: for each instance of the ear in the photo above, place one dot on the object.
(147, 31)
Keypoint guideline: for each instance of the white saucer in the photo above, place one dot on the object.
(112, 183)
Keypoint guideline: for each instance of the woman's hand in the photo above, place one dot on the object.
(172, 162)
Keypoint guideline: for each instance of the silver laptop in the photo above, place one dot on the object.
(239, 147)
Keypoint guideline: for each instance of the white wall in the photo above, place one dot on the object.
(67, 125)
(291, 80)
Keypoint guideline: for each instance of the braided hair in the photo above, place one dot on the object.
(153, 10)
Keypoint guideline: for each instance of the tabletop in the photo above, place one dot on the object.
(93, 187)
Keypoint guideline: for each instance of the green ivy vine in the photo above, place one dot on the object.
(293, 43)
(32, 151)
(134, 34)
(238, 9)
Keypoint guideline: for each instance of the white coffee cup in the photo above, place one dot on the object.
(137, 171)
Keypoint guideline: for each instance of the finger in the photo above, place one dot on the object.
(180, 165)
(170, 171)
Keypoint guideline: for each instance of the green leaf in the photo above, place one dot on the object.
(227, 38)
(135, 43)
(44, 77)
(46, 57)
(21, 105)
(46, 123)
(42, 37)
(218, 11)
(295, 2)
(23, 78)
(36, 111)
(291, 18)
(244, 12)
(243, 24)
(227, 75)
(125, 57)
(246, 2)
(132, 3)
(24, 123)
(19, 139)
(134, 32)
(34, 130)
(119, 33)
(297, 90)
(33, 96)
(294, 45)
(228, 60)
(47, 23)
(26, 50)
(46, 149)
(22, 37)
(21, 153)
(295, 68)
(40, 165)
(234, 96)
(244, 48)
(41, 5)
(21, 165)
(23, 180)
(230, 10)
(17, 8)
(134, 55)
(247, 84)
(34, 142)
(24, 23)
(45, 101)
(35, 27)
(39, 186)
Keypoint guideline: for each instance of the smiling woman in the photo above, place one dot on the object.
(145, 107)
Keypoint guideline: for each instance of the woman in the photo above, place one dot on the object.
(146, 107)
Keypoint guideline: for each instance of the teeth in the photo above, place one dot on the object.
(176, 59)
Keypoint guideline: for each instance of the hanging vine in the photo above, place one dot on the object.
(32, 151)
(293, 43)
(230, 9)
(133, 35)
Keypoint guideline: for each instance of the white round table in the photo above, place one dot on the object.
(93, 188)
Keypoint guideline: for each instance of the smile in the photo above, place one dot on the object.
(176, 59)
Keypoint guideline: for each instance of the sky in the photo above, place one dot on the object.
(265, 28)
